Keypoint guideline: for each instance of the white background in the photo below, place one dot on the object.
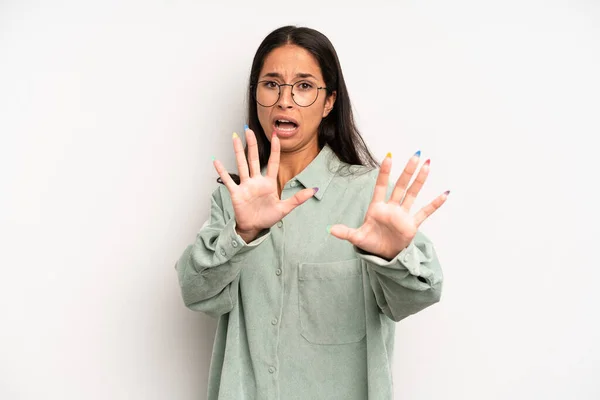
(110, 113)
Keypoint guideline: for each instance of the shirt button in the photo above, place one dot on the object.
(279, 224)
(274, 321)
(294, 183)
(271, 369)
(234, 243)
(278, 272)
(223, 252)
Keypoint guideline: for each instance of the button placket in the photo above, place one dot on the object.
(274, 330)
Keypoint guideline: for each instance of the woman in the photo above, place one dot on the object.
(306, 310)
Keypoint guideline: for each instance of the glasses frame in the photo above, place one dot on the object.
(254, 86)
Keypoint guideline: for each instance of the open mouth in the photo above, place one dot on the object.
(285, 125)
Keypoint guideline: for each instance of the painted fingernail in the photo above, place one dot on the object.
(246, 127)
(447, 192)
(418, 153)
(328, 228)
(427, 162)
(316, 189)
(389, 155)
(213, 158)
(274, 134)
(235, 135)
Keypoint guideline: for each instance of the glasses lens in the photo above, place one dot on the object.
(305, 93)
(267, 93)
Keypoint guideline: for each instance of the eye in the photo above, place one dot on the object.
(304, 85)
(269, 85)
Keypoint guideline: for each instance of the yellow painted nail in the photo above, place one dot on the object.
(389, 155)
(235, 135)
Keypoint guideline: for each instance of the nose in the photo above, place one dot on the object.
(285, 97)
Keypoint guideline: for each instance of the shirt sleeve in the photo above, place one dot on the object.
(209, 269)
(408, 283)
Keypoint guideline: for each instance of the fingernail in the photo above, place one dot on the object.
(316, 189)
(274, 134)
(418, 153)
(213, 158)
(447, 192)
(389, 155)
(328, 228)
(235, 135)
(427, 162)
(245, 127)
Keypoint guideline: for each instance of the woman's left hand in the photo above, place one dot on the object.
(388, 227)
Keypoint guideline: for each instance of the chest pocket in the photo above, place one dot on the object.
(331, 301)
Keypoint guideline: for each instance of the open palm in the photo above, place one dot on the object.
(388, 227)
(255, 200)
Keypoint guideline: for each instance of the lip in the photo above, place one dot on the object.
(287, 118)
(286, 133)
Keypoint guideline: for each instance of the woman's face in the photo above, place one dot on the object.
(290, 64)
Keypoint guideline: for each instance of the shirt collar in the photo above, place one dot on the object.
(319, 172)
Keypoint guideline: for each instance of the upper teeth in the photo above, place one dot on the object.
(283, 120)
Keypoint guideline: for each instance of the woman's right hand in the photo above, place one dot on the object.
(255, 200)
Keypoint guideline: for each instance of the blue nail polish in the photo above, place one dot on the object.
(418, 153)
(245, 127)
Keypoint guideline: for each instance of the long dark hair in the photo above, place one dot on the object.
(338, 128)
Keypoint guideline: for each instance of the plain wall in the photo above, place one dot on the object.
(110, 113)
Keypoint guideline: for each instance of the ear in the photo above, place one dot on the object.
(329, 102)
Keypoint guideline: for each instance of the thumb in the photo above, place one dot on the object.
(297, 199)
(342, 232)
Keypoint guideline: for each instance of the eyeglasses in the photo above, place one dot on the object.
(267, 93)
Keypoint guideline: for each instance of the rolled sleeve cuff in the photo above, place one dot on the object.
(409, 259)
(231, 243)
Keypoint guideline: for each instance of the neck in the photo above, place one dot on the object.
(292, 162)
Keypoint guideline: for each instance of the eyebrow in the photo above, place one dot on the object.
(298, 75)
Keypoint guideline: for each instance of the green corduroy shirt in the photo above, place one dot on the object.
(302, 314)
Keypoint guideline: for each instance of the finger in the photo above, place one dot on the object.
(343, 232)
(273, 165)
(240, 157)
(253, 160)
(404, 179)
(415, 188)
(382, 179)
(289, 204)
(432, 207)
(225, 177)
